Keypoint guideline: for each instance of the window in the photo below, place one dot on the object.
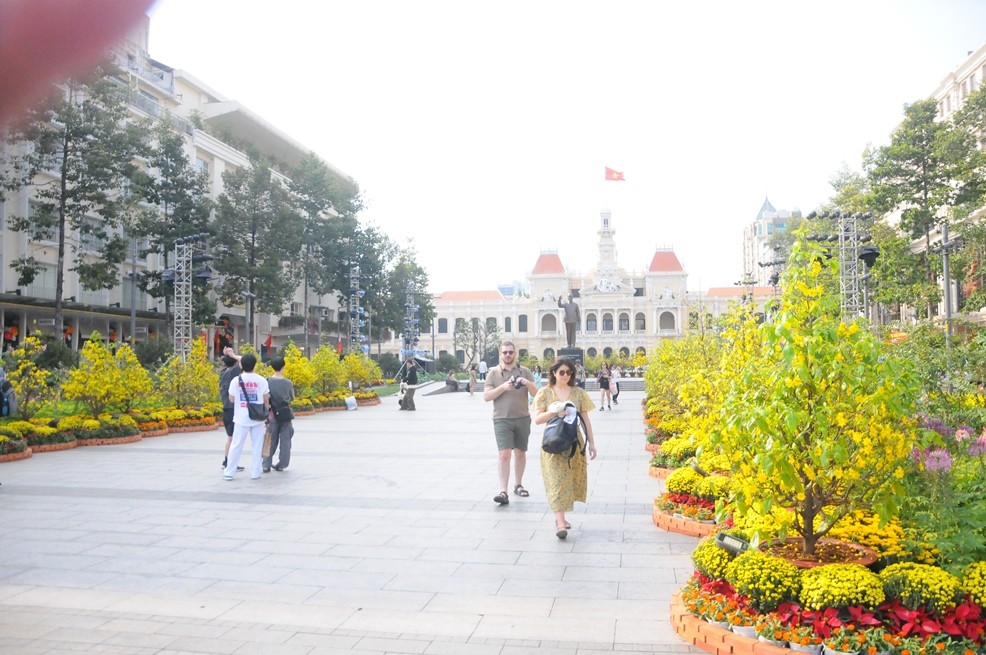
(92, 236)
(490, 324)
(43, 226)
(590, 323)
(607, 322)
(43, 285)
(549, 323)
(624, 352)
(639, 324)
(460, 355)
(667, 321)
(521, 354)
(641, 350)
(625, 322)
(296, 309)
(459, 323)
(607, 353)
(443, 326)
(506, 324)
(591, 352)
(522, 323)
(549, 354)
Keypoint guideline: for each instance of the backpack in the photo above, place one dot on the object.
(560, 435)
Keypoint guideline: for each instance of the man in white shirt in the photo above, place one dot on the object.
(483, 368)
(247, 387)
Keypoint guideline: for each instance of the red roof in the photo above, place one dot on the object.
(737, 291)
(665, 261)
(548, 263)
(472, 295)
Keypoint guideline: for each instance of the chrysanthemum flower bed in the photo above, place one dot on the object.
(906, 609)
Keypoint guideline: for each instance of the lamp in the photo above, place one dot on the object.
(69, 299)
(204, 274)
(114, 304)
(15, 292)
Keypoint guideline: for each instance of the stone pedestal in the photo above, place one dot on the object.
(575, 354)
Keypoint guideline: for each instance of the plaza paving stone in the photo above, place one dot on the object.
(381, 537)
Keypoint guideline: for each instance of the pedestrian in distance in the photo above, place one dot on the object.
(247, 387)
(410, 379)
(605, 395)
(508, 387)
(231, 362)
(565, 476)
(472, 379)
(483, 369)
(280, 424)
(614, 384)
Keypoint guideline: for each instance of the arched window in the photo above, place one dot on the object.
(459, 322)
(666, 321)
(521, 354)
(591, 352)
(607, 353)
(607, 322)
(506, 324)
(590, 323)
(443, 326)
(624, 322)
(441, 353)
(461, 356)
(639, 323)
(549, 354)
(624, 352)
(522, 323)
(549, 323)
(641, 350)
(490, 323)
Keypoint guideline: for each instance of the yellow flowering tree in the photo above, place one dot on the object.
(96, 382)
(360, 370)
(134, 378)
(32, 384)
(190, 383)
(298, 368)
(820, 420)
(330, 374)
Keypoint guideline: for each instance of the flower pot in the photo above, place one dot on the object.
(745, 631)
(772, 642)
(828, 651)
(706, 521)
(724, 625)
(812, 649)
(858, 554)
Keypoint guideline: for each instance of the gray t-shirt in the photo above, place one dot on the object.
(281, 391)
(225, 377)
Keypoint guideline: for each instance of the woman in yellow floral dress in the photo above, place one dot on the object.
(565, 480)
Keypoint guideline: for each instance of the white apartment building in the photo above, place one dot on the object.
(158, 90)
(622, 312)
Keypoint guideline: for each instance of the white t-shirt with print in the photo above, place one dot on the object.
(256, 388)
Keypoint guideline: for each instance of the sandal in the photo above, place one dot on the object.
(501, 498)
(561, 533)
(521, 491)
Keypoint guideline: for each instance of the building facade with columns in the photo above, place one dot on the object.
(620, 312)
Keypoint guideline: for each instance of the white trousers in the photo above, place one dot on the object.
(240, 433)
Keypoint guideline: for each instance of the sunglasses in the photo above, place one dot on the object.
(506, 352)
(563, 371)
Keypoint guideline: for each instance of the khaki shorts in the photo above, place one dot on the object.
(512, 432)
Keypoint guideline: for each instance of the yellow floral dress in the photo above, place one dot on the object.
(565, 480)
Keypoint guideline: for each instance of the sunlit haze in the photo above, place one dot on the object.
(481, 130)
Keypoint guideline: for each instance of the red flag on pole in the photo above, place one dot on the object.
(269, 340)
(614, 176)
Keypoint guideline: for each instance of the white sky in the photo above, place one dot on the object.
(480, 130)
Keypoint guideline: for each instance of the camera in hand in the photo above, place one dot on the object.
(517, 381)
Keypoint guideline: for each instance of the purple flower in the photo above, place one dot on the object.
(978, 447)
(962, 434)
(938, 459)
(936, 424)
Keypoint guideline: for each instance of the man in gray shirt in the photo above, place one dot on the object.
(281, 423)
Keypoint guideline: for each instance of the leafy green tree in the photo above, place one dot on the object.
(447, 361)
(77, 152)
(927, 171)
(181, 197)
(258, 236)
(389, 364)
(97, 382)
(821, 420)
(476, 338)
(897, 277)
(405, 274)
(32, 384)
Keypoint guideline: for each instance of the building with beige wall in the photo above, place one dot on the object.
(622, 313)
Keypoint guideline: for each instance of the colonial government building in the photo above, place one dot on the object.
(621, 313)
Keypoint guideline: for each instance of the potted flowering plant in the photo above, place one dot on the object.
(771, 630)
(742, 621)
(716, 610)
(804, 639)
(877, 641)
(843, 641)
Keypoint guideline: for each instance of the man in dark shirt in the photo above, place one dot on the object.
(410, 379)
(281, 431)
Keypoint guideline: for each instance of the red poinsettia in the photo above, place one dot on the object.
(964, 620)
(907, 622)
(859, 616)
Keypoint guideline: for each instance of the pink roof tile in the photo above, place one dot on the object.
(665, 261)
(548, 263)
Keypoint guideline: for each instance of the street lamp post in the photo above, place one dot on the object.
(945, 247)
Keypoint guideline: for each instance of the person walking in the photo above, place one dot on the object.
(247, 387)
(508, 388)
(605, 396)
(280, 425)
(472, 379)
(410, 379)
(614, 383)
(566, 479)
(231, 361)
(483, 368)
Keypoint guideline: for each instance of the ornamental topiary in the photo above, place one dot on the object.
(683, 481)
(710, 560)
(840, 585)
(766, 580)
(920, 586)
(974, 582)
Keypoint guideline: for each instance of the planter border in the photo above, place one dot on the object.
(13, 457)
(155, 433)
(702, 634)
(651, 447)
(192, 428)
(53, 447)
(686, 527)
(304, 412)
(660, 472)
(108, 441)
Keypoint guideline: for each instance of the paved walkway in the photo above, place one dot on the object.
(382, 537)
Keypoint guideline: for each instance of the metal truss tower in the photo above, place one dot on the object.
(849, 273)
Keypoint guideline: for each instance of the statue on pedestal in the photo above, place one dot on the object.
(572, 319)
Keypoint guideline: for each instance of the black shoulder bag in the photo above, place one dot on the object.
(256, 411)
